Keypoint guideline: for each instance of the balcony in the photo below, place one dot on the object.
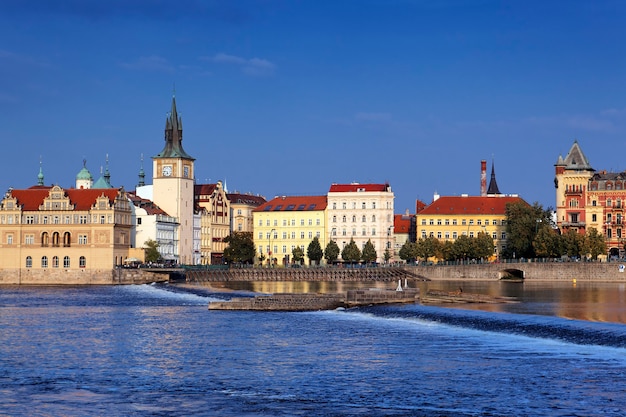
(573, 224)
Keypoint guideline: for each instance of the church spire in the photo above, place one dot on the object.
(493, 185)
(142, 174)
(173, 135)
(40, 175)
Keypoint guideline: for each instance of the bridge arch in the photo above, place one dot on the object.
(511, 274)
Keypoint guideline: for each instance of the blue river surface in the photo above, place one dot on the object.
(156, 350)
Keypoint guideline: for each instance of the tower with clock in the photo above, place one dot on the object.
(173, 183)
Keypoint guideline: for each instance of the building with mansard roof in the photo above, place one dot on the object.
(286, 222)
(241, 211)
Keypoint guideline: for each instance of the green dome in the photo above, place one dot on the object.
(84, 173)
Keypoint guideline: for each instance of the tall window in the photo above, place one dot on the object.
(66, 262)
(44, 261)
(29, 262)
(82, 262)
(55, 261)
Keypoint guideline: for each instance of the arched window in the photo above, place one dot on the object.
(29, 262)
(82, 262)
(66, 262)
(44, 261)
(353, 219)
(55, 261)
(67, 238)
(363, 219)
(55, 239)
(45, 239)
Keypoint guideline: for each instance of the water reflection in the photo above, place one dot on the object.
(591, 301)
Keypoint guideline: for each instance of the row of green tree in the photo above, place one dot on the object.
(241, 249)
(464, 247)
(531, 233)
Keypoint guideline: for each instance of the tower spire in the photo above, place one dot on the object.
(493, 185)
(173, 135)
(142, 174)
(40, 175)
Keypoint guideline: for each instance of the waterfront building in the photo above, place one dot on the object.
(571, 181)
(213, 208)
(361, 212)
(449, 217)
(404, 230)
(284, 223)
(173, 184)
(153, 223)
(586, 198)
(241, 211)
(55, 229)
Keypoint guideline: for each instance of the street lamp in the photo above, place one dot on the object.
(269, 251)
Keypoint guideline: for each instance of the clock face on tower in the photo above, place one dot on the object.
(167, 171)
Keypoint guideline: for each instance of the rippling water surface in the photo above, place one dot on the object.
(153, 350)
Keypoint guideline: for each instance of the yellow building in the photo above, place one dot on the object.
(48, 228)
(447, 218)
(284, 223)
(241, 211)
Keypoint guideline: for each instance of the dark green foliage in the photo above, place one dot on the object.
(331, 253)
(240, 248)
(351, 252)
(314, 251)
(369, 253)
(151, 251)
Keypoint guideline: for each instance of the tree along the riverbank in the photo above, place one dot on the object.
(240, 248)
(464, 247)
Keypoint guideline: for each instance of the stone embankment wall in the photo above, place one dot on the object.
(313, 302)
(532, 271)
(54, 276)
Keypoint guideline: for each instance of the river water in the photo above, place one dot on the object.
(156, 350)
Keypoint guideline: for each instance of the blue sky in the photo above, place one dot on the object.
(287, 97)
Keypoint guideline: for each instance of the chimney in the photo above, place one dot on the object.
(483, 178)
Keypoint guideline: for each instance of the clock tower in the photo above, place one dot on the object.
(173, 181)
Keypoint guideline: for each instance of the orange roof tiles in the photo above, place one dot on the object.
(31, 198)
(474, 205)
(402, 223)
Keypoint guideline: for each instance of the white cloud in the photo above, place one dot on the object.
(253, 66)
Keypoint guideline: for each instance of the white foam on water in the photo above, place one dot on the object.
(162, 292)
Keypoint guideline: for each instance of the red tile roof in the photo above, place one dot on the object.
(402, 223)
(147, 205)
(204, 189)
(31, 198)
(355, 187)
(474, 205)
(302, 203)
